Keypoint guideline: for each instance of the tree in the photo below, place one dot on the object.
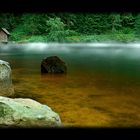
(115, 22)
(56, 30)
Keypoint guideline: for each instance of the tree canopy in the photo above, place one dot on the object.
(56, 26)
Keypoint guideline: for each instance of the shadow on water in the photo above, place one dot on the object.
(100, 89)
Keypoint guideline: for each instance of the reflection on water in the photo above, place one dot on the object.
(101, 88)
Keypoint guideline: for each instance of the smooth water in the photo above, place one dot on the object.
(100, 89)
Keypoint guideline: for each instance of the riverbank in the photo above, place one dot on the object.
(117, 37)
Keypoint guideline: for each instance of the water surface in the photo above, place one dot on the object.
(100, 89)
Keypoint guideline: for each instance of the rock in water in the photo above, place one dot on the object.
(53, 64)
(6, 87)
(26, 113)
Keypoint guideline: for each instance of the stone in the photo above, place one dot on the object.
(26, 113)
(6, 87)
(53, 64)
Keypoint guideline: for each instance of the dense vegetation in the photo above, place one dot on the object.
(72, 27)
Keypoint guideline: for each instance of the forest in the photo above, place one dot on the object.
(71, 27)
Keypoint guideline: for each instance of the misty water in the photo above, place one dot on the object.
(100, 89)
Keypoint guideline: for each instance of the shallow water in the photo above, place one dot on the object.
(100, 89)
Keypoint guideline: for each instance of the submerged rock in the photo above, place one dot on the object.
(6, 87)
(53, 64)
(20, 112)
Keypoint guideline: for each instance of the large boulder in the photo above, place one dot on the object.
(53, 64)
(6, 87)
(26, 113)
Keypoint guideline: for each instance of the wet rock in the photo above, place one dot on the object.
(27, 113)
(6, 87)
(53, 64)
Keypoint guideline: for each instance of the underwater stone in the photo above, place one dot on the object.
(53, 64)
(6, 87)
(26, 113)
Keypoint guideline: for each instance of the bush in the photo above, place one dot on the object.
(37, 39)
(17, 33)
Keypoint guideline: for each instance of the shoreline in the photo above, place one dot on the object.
(117, 38)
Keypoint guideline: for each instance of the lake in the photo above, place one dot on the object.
(100, 89)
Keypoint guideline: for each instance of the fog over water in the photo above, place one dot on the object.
(88, 55)
(91, 48)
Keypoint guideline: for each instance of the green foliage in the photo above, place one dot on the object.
(137, 26)
(36, 39)
(127, 20)
(8, 21)
(127, 31)
(66, 27)
(34, 24)
(30, 24)
(56, 32)
(123, 37)
(17, 33)
(103, 38)
(88, 23)
(115, 22)
(55, 24)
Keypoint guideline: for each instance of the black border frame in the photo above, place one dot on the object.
(20, 6)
